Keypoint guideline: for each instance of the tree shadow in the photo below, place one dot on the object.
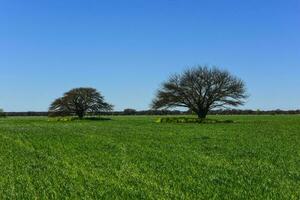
(70, 119)
(192, 120)
(95, 119)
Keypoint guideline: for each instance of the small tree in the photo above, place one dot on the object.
(129, 111)
(201, 89)
(79, 101)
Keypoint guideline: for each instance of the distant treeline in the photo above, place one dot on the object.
(170, 112)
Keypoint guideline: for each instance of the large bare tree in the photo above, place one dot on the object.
(79, 101)
(201, 89)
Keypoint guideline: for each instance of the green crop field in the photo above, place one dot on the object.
(257, 157)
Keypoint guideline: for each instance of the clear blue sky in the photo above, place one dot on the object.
(126, 49)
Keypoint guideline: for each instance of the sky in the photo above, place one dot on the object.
(126, 49)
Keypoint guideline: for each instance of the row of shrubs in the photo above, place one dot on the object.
(167, 112)
(159, 120)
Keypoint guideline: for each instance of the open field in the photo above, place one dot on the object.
(258, 157)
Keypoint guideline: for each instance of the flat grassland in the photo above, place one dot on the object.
(257, 157)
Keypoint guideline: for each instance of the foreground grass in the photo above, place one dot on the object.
(258, 157)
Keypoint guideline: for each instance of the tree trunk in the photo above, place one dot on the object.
(80, 115)
(202, 114)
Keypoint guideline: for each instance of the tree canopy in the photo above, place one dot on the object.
(80, 101)
(201, 89)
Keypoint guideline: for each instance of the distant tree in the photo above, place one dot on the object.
(79, 101)
(129, 111)
(201, 89)
(2, 113)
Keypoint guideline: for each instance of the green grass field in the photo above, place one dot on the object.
(258, 157)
